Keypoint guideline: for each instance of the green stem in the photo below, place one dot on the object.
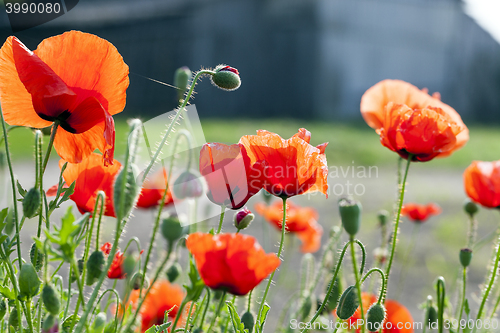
(441, 295)
(179, 314)
(39, 182)
(221, 220)
(462, 302)
(406, 261)
(494, 273)
(282, 241)
(80, 300)
(398, 216)
(383, 284)
(188, 318)
(206, 308)
(249, 306)
(358, 284)
(28, 315)
(13, 278)
(51, 143)
(216, 314)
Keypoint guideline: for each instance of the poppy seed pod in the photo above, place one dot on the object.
(40, 257)
(172, 229)
(248, 321)
(50, 299)
(350, 213)
(187, 185)
(31, 202)
(465, 257)
(382, 217)
(181, 80)
(173, 272)
(29, 283)
(49, 324)
(470, 207)
(348, 303)
(375, 317)
(95, 266)
(243, 218)
(226, 78)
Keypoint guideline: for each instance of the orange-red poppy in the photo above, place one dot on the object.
(424, 133)
(153, 189)
(289, 167)
(398, 318)
(482, 183)
(116, 270)
(419, 213)
(76, 79)
(230, 177)
(162, 296)
(301, 221)
(232, 262)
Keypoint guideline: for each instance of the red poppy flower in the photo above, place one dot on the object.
(233, 262)
(289, 167)
(424, 133)
(482, 183)
(162, 296)
(106, 248)
(376, 98)
(419, 213)
(116, 270)
(76, 79)
(301, 221)
(153, 189)
(230, 177)
(398, 318)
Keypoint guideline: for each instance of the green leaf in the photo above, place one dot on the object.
(259, 325)
(7, 292)
(3, 221)
(235, 318)
(196, 288)
(20, 189)
(66, 325)
(158, 328)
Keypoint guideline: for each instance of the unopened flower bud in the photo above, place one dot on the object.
(375, 317)
(306, 307)
(181, 80)
(334, 295)
(465, 257)
(80, 264)
(172, 229)
(50, 299)
(40, 257)
(173, 272)
(226, 78)
(50, 324)
(124, 200)
(29, 283)
(95, 266)
(199, 330)
(137, 280)
(14, 318)
(248, 321)
(470, 207)
(350, 213)
(128, 264)
(243, 218)
(31, 202)
(3, 308)
(348, 303)
(187, 185)
(382, 216)
(431, 316)
(99, 322)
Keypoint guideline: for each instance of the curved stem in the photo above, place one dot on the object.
(283, 229)
(222, 213)
(216, 314)
(358, 283)
(383, 284)
(398, 216)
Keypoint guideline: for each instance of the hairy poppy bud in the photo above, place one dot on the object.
(350, 213)
(50, 324)
(31, 202)
(334, 295)
(51, 300)
(3, 308)
(243, 218)
(14, 318)
(470, 207)
(431, 316)
(348, 303)
(375, 317)
(382, 217)
(465, 257)
(248, 321)
(137, 280)
(226, 78)
(40, 257)
(129, 264)
(99, 322)
(187, 185)
(80, 264)
(306, 307)
(181, 80)
(29, 283)
(174, 271)
(95, 266)
(124, 206)
(172, 229)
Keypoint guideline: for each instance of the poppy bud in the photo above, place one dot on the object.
(243, 218)
(465, 257)
(306, 307)
(80, 270)
(137, 280)
(470, 207)
(334, 295)
(39, 257)
(348, 303)
(226, 78)
(29, 283)
(129, 264)
(14, 318)
(51, 300)
(130, 195)
(31, 202)
(350, 213)
(431, 316)
(173, 272)
(187, 185)
(172, 229)
(3, 308)
(99, 322)
(375, 317)
(199, 330)
(50, 324)
(248, 321)
(181, 80)
(95, 266)
(382, 217)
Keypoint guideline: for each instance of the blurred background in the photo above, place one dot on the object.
(306, 63)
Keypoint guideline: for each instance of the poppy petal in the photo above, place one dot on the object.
(85, 116)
